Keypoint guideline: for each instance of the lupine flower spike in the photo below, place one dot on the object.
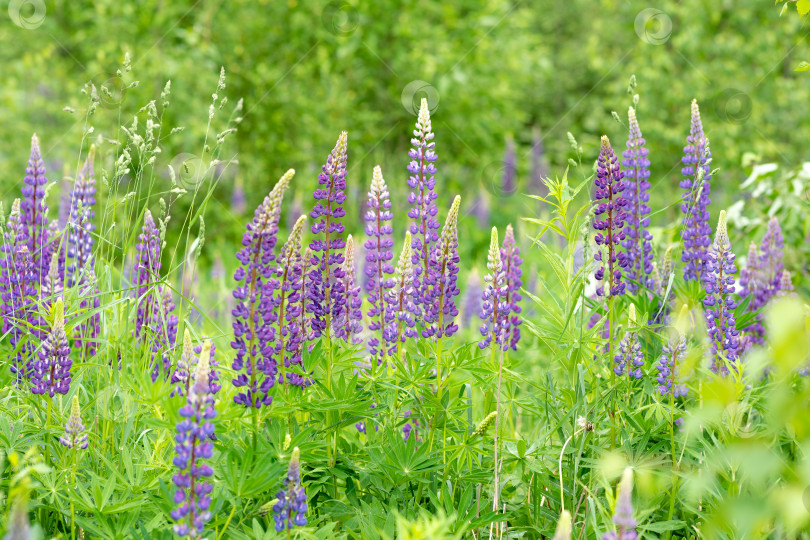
(495, 326)
(195, 434)
(254, 314)
(695, 231)
(80, 238)
(291, 509)
(51, 373)
(609, 218)
(510, 256)
(668, 364)
(636, 179)
(770, 259)
(74, 436)
(753, 286)
(291, 303)
(379, 255)
(35, 210)
(623, 512)
(785, 285)
(147, 271)
(400, 307)
(349, 304)
(328, 245)
(629, 359)
(424, 225)
(439, 306)
(718, 282)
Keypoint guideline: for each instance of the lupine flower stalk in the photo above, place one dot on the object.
(51, 371)
(719, 304)
(35, 210)
(695, 231)
(629, 359)
(74, 436)
(328, 245)
(254, 314)
(495, 323)
(770, 259)
(510, 256)
(79, 257)
(671, 358)
(785, 285)
(752, 285)
(440, 283)
(291, 509)
(424, 225)
(289, 301)
(299, 324)
(638, 240)
(348, 324)
(379, 255)
(623, 512)
(147, 272)
(609, 219)
(400, 307)
(195, 434)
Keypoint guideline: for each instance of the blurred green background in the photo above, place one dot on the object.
(493, 71)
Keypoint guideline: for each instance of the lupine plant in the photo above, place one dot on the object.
(637, 240)
(695, 231)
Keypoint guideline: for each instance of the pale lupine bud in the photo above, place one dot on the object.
(74, 436)
(785, 285)
(483, 426)
(563, 527)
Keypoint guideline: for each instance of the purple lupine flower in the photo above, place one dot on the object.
(186, 369)
(51, 372)
(638, 240)
(298, 314)
(629, 358)
(539, 164)
(785, 285)
(610, 228)
(509, 179)
(401, 309)
(510, 257)
(291, 304)
(17, 291)
(164, 325)
(349, 303)
(623, 512)
(35, 210)
(751, 284)
(379, 255)
(195, 434)
(696, 231)
(424, 225)
(718, 282)
(770, 259)
(668, 364)
(411, 426)
(238, 198)
(472, 298)
(74, 436)
(327, 276)
(79, 257)
(291, 509)
(254, 314)
(439, 309)
(147, 271)
(494, 310)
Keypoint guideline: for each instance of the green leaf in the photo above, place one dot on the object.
(803, 7)
(803, 66)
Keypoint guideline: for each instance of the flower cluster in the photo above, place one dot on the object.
(638, 239)
(195, 434)
(327, 248)
(770, 259)
(440, 283)
(254, 314)
(719, 303)
(80, 239)
(609, 218)
(495, 326)
(74, 436)
(400, 307)
(35, 210)
(51, 371)
(623, 512)
(696, 231)
(668, 364)
(291, 509)
(349, 305)
(510, 257)
(629, 359)
(291, 301)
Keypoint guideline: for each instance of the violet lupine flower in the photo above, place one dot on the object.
(472, 298)
(494, 310)
(74, 436)
(770, 259)
(629, 358)
(424, 225)
(668, 364)
(718, 282)
(401, 309)
(379, 254)
(411, 426)
(751, 283)
(292, 306)
(623, 512)
(610, 228)
(195, 434)
(510, 257)
(79, 258)
(349, 304)
(35, 210)
(785, 285)
(509, 179)
(165, 327)
(439, 309)
(291, 509)
(238, 198)
(51, 372)
(147, 271)
(539, 166)
(327, 275)
(254, 314)
(186, 368)
(17, 291)
(638, 239)
(696, 231)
